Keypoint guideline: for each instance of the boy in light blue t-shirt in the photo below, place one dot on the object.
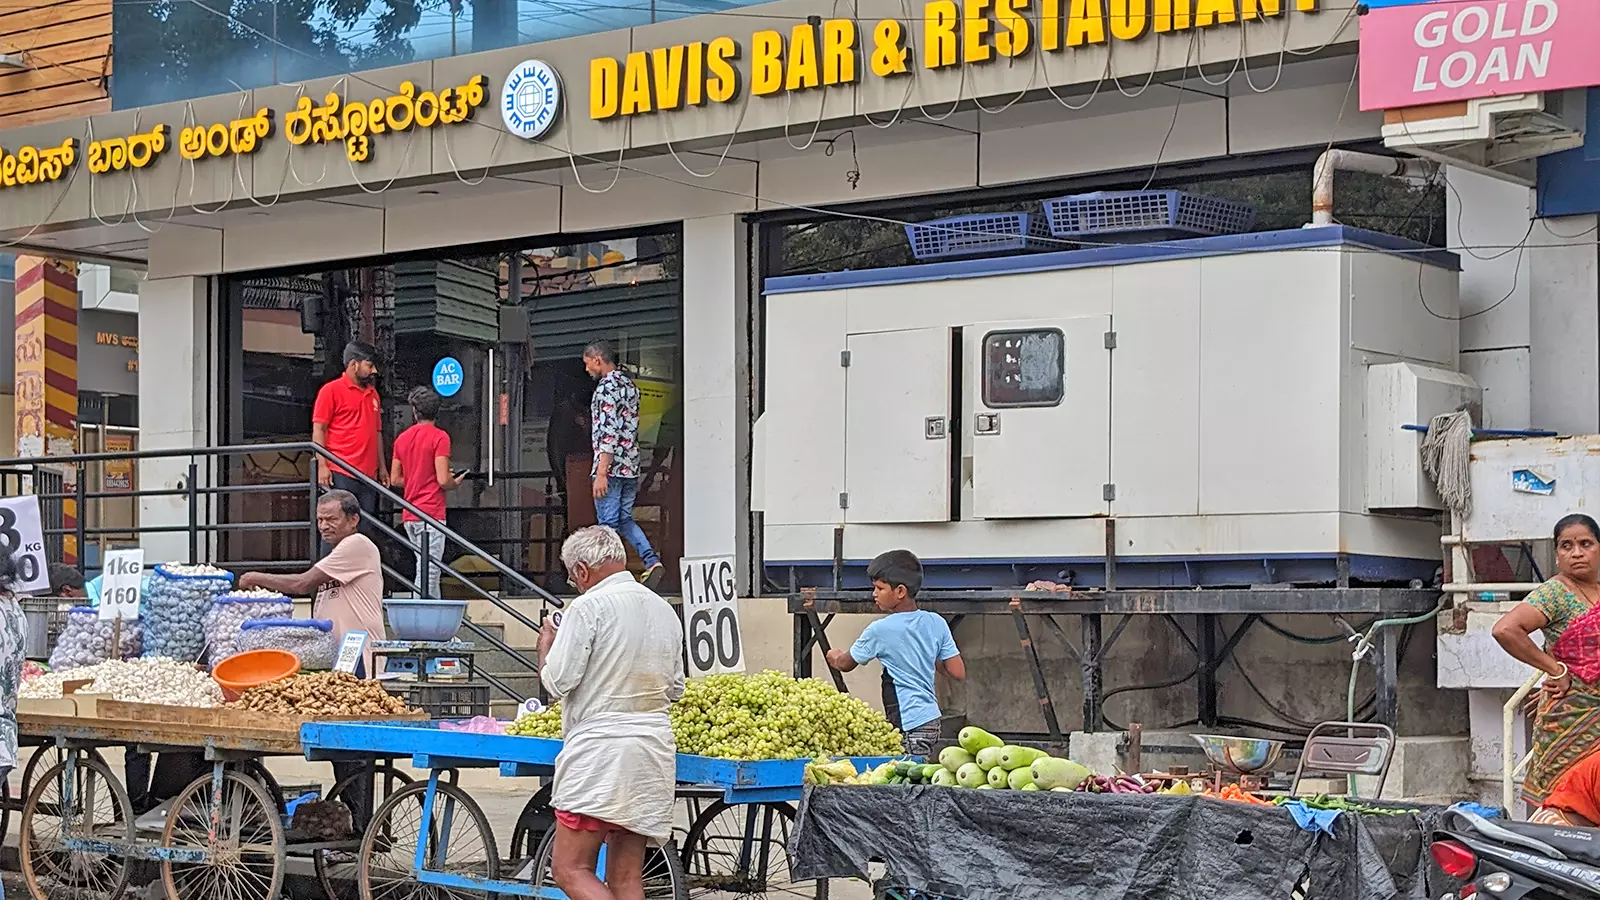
(912, 644)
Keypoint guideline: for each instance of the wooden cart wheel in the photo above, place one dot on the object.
(99, 808)
(536, 818)
(241, 833)
(742, 850)
(389, 848)
(663, 870)
(336, 870)
(45, 757)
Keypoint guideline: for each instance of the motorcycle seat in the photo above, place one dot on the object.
(1581, 845)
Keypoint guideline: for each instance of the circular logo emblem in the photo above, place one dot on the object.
(530, 102)
(447, 376)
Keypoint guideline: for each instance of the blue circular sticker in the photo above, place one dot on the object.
(447, 376)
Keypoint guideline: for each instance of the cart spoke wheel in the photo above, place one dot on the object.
(241, 834)
(742, 850)
(537, 817)
(456, 840)
(98, 807)
(663, 870)
(45, 757)
(336, 869)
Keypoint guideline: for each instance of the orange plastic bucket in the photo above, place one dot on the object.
(243, 671)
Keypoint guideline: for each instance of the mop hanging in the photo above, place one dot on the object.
(1446, 450)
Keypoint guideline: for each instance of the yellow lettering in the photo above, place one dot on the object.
(1012, 38)
(1086, 23)
(1172, 15)
(1215, 12)
(839, 51)
(636, 84)
(766, 63)
(974, 25)
(1255, 9)
(1050, 24)
(802, 69)
(603, 79)
(1130, 19)
(695, 78)
(939, 34)
(667, 71)
(1306, 5)
(720, 55)
(888, 57)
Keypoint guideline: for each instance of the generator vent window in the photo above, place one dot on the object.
(1024, 368)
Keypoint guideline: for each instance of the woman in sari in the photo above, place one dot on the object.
(1565, 773)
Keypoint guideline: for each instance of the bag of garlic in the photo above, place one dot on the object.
(86, 640)
(313, 640)
(174, 609)
(232, 610)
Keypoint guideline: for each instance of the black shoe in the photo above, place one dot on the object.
(653, 576)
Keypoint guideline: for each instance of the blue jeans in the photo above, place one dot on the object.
(615, 509)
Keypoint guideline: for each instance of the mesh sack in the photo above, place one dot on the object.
(86, 640)
(313, 640)
(174, 609)
(230, 611)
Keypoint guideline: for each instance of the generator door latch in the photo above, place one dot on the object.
(987, 423)
(933, 428)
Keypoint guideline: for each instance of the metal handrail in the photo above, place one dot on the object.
(324, 456)
(1508, 747)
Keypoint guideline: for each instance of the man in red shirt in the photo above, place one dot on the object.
(346, 419)
(421, 469)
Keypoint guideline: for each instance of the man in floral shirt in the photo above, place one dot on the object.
(614, 433)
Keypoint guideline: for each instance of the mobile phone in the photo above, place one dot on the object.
(460, 473)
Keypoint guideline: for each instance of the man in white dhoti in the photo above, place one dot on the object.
(616, 664)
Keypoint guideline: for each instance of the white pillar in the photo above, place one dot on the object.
(1564, 300)
(1484, 212)
(177, 400)
(716, 385)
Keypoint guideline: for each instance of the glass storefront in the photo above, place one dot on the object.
(520, 420)
(168, 51)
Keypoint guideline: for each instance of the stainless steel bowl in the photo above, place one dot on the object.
(1238, 754)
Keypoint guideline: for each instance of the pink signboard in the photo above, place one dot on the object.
(1445, 50)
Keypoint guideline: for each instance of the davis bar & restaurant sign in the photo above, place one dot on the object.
(1443, 51)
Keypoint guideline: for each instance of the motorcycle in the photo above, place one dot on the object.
(1513, 860)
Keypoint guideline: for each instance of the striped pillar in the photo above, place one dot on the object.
(47, 371)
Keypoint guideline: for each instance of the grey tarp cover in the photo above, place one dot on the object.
(1006, 845)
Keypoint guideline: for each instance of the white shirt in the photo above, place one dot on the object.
(617, 667)
(619, 650)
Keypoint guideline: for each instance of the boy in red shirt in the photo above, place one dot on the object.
(421, 470)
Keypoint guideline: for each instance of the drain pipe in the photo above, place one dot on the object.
(1352, 161)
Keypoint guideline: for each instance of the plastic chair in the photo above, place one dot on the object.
(1346, 748)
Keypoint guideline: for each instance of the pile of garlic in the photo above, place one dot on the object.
(147, 680)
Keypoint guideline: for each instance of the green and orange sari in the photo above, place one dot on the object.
(1566, 732)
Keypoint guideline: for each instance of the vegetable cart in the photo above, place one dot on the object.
(223, 836)
(730, 845)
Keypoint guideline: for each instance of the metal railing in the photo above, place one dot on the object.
(202, 520)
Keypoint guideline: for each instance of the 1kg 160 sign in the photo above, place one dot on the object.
(711, 616)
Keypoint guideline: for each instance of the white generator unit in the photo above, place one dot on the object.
(1238, 404)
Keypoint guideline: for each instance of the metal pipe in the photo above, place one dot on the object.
(1490, 587)
(1352, 161)
(1508, 750)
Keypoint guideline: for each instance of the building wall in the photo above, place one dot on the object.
(65, 46)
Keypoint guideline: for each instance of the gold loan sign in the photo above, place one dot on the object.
(825, 52)
(355, 125)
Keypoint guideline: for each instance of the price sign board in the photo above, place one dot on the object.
(711, 617)
(120, 580)
(22, 538)
(350, 652)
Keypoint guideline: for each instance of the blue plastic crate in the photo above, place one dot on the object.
(1165, 213)
(976, 235)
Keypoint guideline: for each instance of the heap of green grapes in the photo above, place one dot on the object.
(773, 716)
(765, 716)
(545, 724)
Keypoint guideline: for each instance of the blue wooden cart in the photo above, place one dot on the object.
(432, 837)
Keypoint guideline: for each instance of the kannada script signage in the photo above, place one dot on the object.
(1452, 50)
(337, 120)
(827, 52)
